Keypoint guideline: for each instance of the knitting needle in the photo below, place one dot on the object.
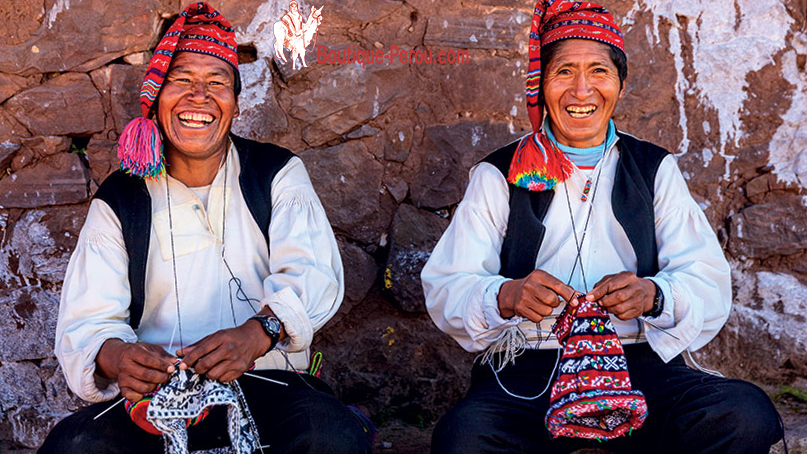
(110, 408)
(265, 379)
(659, 328)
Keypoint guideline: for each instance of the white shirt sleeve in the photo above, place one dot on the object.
(306, 284)
(94, 303)
(694, 274)
(461, 279)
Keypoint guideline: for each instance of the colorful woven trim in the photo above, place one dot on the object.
(597, 415)
(592, 395)
(554, 20)
(138, 411)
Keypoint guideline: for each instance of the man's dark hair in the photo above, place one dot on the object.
(617, 57)
(237, 83)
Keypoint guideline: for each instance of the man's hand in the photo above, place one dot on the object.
(534, 297)
(226, 354)
(138, 368)
(624, 295)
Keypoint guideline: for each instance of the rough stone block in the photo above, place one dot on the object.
(119, 86)
(261, 118)
(42, 241)
(450, 151)
(102, 156)
(65, 105)
(57, 180)
(360, 271)
(775, 228)
(348, 181)
(342, 100)
(75, 36)
(11, 85)
(499, 29)
(28, 323)
(11, 130)
(414, 235)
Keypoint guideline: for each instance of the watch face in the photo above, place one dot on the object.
(273, 324)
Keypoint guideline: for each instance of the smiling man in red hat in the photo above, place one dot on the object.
(200, 276)
(580, 265)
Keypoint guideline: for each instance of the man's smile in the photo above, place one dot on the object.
(193, 119)
(581, 111)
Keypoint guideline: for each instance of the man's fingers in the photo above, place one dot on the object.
(541, 295)
(152, 358)
(130, 395)
(216, 351)
(191, 355)
(610, 284)
(554, 284)
(626, 311)
(619, 296)
(531, 314)
(226, 371)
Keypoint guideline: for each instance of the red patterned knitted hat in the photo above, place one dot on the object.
(199, 29)
(537, 164)
(592, 395)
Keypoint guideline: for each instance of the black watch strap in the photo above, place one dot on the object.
(658, 303)
(271, 326)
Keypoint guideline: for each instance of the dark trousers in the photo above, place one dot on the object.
(291, 419)
(688, 412)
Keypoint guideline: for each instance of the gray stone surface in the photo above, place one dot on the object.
(413, 235)
(29, 321)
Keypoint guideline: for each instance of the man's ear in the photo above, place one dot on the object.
(622, 90)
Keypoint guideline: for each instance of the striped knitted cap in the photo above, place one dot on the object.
(199, 29)
(537, 164)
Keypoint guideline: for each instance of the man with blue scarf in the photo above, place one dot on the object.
(577, 215)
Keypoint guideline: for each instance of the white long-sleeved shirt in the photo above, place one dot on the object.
(300, 278)
(461, 279)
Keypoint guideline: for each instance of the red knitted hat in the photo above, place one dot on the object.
(592, 395)
(538, 165)
(199, 29)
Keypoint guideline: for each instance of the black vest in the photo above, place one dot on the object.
(631, 200)
(129, 199)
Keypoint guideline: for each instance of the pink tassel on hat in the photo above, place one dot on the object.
(140, 149)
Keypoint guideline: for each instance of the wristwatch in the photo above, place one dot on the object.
(271, 326)
(658, 303)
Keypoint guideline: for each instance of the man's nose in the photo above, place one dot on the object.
(199, 89)
(582, 86)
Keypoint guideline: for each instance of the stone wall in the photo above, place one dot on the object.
(722, 84)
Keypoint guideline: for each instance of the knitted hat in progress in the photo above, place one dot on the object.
(592, 396)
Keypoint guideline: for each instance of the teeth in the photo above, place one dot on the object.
(197, 117)
(580, 112)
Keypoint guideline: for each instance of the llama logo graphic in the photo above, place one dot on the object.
(295, 35)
